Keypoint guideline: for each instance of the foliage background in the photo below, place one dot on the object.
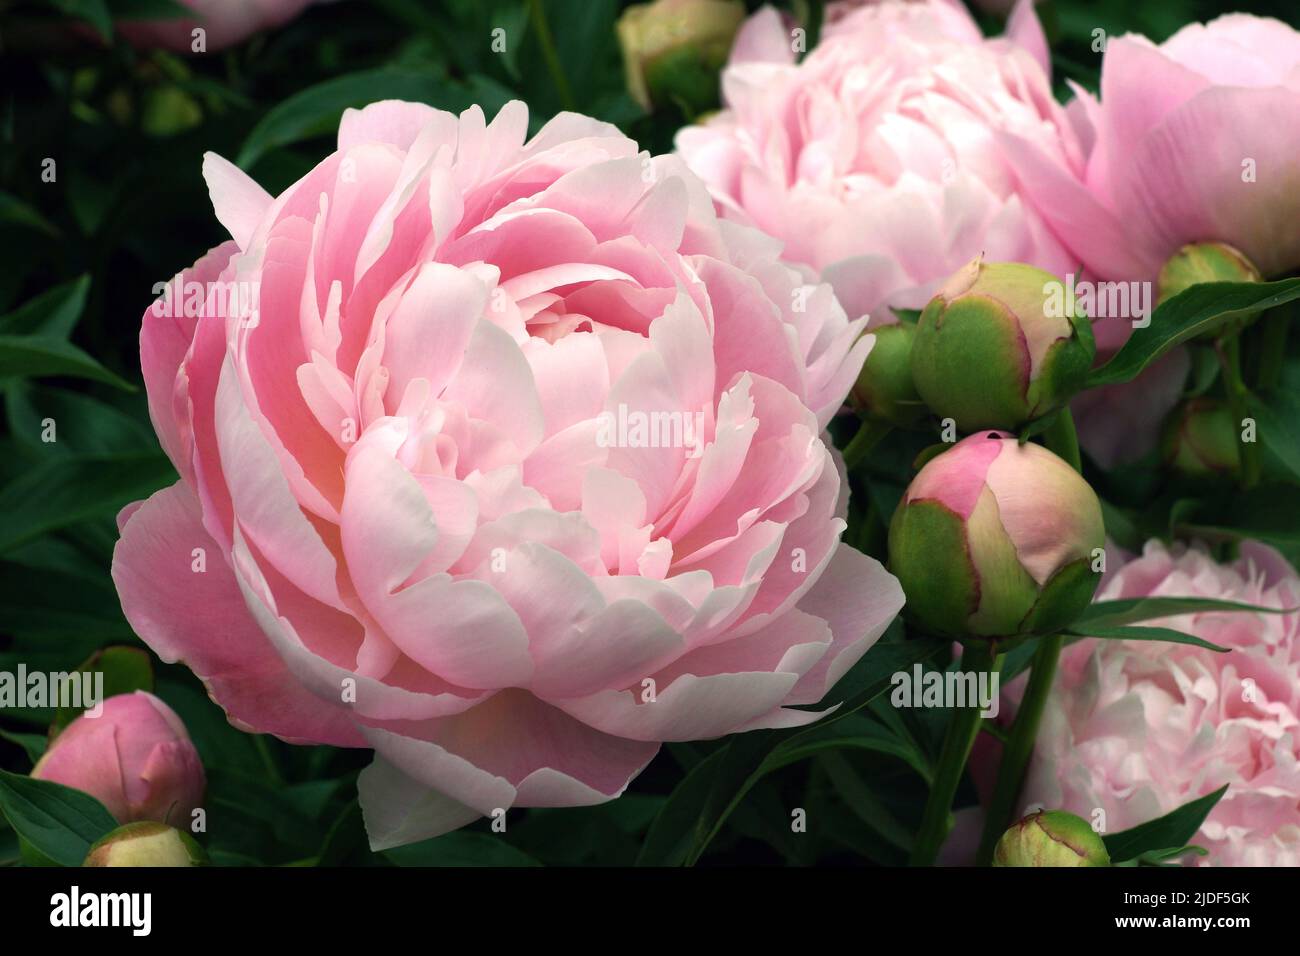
(128, 208)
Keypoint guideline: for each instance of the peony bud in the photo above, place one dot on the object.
(1000, 345)
(135, 758)
(1051, 838)
(884, 388)
(1200, 438)
(996, 539)
(674, 49)
(1204, 262)
(1207, 262)
(146, 843)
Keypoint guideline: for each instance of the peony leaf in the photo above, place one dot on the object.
(59, 823)
(1174, 829)
(1167, 634)
(1132, 610)
(1197, 309)
(38, 355)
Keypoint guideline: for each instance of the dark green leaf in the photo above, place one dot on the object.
(94, 12)
(1277, 427)
(33, 744)
(1198, 309)
(125, 670)
(14, 210)
(62, 493)
(53, 313)
(1132, 610)
(1167, 634)
(37, 355)
(59, 822)
(1174, 829)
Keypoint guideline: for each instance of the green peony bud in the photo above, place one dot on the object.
(884, 388)
(1200, 438)
(1204, 262)
(673, 50)
(994, 539)
(1207, 262)
(146, 844)
(1051, 838)
(1001, 344)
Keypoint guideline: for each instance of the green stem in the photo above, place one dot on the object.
(1229, 351)
(549, 53)
(1019, 747)
(1273, 329)
(963, 728)
(869, 435)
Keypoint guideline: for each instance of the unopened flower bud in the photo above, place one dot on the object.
(884, 388)
(135, 758)
(1207, 262)
(1204, 262)
(1051, 838)
(146, 844)
(673, 50)
(1001, 344)
(995, 539)
(1200, 439)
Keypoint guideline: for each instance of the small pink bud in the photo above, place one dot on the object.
(135, 758)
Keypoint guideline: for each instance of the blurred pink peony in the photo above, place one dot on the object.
(1184, 145)
(875, 159)
(225, 23)
(135, 758)
(513, 473)
(1140, 728)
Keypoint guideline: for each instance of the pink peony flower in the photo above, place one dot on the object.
(875, 159)
(1184, 145)
(224, 22)
(1140, 728)
(513, 473)
(135, 758)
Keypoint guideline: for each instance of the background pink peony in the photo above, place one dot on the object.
(1139, 728)
(135, 758)
(226, 22)
(417, 540)
(875, 159)
(1163, 166)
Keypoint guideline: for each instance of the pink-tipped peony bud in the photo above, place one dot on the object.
(1001, 344)
(673, 50)
(1051, 838)
(146, 843)
(135, 758)
(884, 388)
(1200, 439)
(995, 539)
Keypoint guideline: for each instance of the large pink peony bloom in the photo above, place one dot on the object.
(875, 158)
(224, 22)
(135, 758)
(1139, 728)
(516, 475)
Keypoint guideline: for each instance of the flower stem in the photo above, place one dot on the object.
(957, 743)
(869, 435)
(1019, 747)
(1229, 351)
